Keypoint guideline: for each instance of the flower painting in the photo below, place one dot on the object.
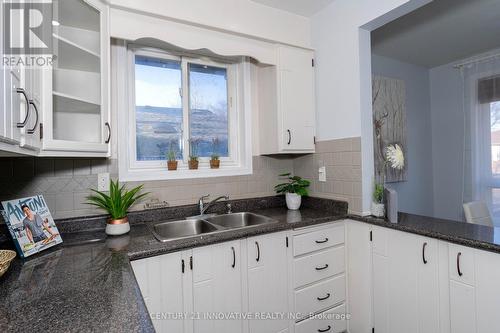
(389, 129)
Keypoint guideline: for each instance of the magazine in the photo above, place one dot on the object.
(30, 224)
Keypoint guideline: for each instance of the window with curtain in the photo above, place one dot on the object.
(488, 133)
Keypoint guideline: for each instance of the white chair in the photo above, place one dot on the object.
(477, 212)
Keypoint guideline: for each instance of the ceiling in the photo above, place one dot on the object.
(441, 32)
(301, 7)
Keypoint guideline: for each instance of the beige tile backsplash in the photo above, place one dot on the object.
(342, 160)
(66, 182)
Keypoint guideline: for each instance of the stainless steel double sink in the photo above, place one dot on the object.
(173, 230)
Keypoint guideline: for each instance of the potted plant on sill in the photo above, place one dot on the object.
(215, 158)
(193, 156)
(172, 157)
(294, 190)
(116, 204)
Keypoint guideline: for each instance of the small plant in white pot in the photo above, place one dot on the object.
(378, 207)
(294, 190)
(116, 204)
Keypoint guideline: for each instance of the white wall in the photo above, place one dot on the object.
(340, 36)
(416, 194)
(243, 17)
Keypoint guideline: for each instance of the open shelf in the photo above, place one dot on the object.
(85, 40)
(71, 56)
(79, 85)
(72, 104)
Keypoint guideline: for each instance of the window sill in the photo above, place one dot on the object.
(182, 173)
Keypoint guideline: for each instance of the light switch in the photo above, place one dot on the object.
(322, 174)
(103, 182)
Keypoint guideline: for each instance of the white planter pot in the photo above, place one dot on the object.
(293, 201)
(116, 229)
(378, 209)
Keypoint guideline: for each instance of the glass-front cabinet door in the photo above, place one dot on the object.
(76, 115)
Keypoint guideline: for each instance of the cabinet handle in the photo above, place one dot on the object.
(182, 265)
(323, 298)
(322, 268)
(423, 253)
(23, 92)
(108, 139)
(258, 251)
(234, 257)
(322, 241)
(325, 329)
(458, 264)
(191, 262)
(32, 130)
(289, 136)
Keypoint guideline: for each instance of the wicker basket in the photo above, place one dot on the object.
(6, 256)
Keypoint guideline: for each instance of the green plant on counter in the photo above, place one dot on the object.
(118, 201)
(378, 193)
(295, 185)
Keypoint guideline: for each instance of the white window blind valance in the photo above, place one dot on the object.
(132, 26)
(488, 90)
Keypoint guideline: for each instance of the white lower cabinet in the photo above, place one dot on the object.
(402, 282)
(405, 282)
(318, 278)
(217, 288)
(267, 281)
(164, 286)
(208, 289)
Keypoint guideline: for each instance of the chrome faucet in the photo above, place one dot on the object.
(204, 208)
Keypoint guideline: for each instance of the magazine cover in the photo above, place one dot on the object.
(30, 224)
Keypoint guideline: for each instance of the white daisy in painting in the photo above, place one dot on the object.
(395, 157)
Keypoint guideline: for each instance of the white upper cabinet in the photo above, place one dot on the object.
(286, 103)
(18, 115)
(76, 108)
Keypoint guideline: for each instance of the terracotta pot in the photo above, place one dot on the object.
(193, 165)
(214, 164)
(172, 165)
(116, 227)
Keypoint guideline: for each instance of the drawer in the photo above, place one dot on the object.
(331, 321)
(318, 239)
(465, 262)
(318, 266)
(320, 296)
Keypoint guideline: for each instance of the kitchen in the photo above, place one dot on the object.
(243, 134)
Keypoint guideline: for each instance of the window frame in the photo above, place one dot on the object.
(239, 161)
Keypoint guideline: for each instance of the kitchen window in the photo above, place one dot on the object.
(188, 104)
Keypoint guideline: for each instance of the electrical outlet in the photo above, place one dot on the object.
(322, 174)
(103, 182)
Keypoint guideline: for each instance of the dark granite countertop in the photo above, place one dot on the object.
(467, 234)
(87, 283)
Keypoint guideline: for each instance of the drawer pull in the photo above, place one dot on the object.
(322, 241)
(323, 298)
(458, 264)
(322, 268)
(325, 329)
